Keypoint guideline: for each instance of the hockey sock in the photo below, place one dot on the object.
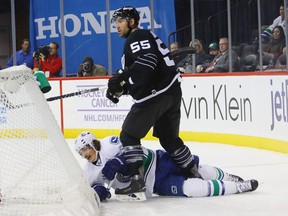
(200, 188)
(209, 173)
(134, 158)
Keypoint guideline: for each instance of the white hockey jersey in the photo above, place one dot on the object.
(110, 148)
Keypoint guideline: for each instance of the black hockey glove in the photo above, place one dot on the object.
(112, 97)
(116, 82)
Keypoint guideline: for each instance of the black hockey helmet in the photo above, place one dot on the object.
(126, 12)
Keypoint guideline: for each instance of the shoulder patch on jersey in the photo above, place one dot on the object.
(114, 140)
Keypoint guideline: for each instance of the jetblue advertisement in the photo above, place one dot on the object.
(85, 28)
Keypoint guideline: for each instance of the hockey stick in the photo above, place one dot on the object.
(76, 93)
(110, 184)
(109, 187)
(183, 51)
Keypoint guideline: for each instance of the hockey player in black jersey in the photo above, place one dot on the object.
(150, 77)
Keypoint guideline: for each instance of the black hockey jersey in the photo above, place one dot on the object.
(151, 69)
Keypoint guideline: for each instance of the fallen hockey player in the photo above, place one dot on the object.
(106, 163)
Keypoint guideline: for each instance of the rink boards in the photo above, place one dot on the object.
(245, 109)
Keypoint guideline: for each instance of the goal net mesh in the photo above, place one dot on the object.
(38, 172)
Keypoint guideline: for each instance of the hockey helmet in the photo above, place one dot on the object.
(126, 12)
(83, 140)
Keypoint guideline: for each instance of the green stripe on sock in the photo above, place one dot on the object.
(216, 187)
(220, 174)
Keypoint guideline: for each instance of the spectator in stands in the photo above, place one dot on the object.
(275, 47)
(221, 62)
(174, 47)
(213, 51)
(279, 21)
(23, 56)
(53, 63)
(88, 68)
(186, 66)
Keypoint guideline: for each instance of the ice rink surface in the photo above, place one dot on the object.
(270, 199)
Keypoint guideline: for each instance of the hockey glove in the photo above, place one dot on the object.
(116, 82)
(113, 166)
(112, 97)
(102, 192)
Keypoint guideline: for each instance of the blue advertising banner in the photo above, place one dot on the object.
(85, 27)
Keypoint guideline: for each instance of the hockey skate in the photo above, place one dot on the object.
(133, 192)
(247, 186)
(232, 178)
(194, 173)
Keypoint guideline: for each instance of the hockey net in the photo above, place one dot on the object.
(38, 172)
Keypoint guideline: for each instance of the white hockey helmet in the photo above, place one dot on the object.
(84, 139)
